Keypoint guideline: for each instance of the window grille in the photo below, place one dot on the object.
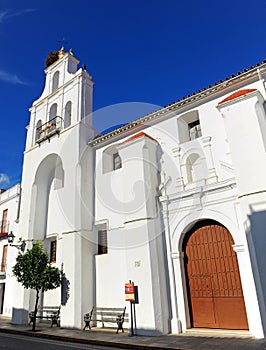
(194, 130)
(116, 161)
(53, 252)
(102, 242)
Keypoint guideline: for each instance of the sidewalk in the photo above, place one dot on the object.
(192, 340)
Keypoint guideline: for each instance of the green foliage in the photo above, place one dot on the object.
(33, 270)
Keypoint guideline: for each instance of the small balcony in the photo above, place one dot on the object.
(49, 129)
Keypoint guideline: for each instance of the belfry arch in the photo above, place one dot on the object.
(49, 176)
(213, 284)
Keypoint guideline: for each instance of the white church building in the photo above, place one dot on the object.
(174, 201)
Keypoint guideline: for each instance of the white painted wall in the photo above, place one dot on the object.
(10, 200)
(165, 185)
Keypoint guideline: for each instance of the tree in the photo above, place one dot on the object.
(34, 271)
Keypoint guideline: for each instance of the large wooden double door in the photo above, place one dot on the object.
(213, 280)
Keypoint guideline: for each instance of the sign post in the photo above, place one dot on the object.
(130, 296)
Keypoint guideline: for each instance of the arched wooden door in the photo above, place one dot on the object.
(213, 280)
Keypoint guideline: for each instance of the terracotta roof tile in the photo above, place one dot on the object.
(236, 95)
(136, 136)
(218, 86)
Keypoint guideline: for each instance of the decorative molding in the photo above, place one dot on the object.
(146, 120)
(227, 167)
(211, 188)
(232, 100)
(177, 151)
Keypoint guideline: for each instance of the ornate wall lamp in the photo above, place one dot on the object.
(22, 244)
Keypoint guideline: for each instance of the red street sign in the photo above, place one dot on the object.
(129, 292)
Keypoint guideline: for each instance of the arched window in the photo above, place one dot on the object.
(55, 81)
(53, 111)
(68, 112)
(189, 127)
(38, 130)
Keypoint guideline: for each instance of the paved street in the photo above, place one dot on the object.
(22, 342)
(21, 337)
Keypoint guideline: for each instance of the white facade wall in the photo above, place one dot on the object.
(199, 159)
(213, 193)
(9, 200)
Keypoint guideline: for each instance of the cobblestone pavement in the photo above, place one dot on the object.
(192, 340)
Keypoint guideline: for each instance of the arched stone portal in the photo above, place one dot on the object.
(213, 281)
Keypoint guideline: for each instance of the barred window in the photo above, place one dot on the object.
(117, 164)
(53, 252)
(102, 242)
(194, 130)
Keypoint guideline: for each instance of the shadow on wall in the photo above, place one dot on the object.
(256, 237)
(65, 290)
(163, 183)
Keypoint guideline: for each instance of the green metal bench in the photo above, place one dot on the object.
(106, 315)
(47, 313)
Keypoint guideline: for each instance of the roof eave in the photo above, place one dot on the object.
(146, 120)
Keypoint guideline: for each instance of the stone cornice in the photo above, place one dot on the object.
(201, 190)
(157, 115)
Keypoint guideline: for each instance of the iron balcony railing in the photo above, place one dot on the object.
(47, 130)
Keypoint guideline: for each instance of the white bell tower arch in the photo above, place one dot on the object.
(57, 181)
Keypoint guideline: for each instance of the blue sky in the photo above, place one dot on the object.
(148, 51)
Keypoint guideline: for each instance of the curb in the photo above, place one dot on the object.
(112, 344)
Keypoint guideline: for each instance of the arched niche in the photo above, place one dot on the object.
(189, 126)
(53, 111)
(50, 171)
(55, 82)
(68, 114)
(38, 130)
(194, 168)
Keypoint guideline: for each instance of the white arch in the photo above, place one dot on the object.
(68, 114)
(50, 170)
(181, 227)
(53, 111)
(55, 81)
(193, 166)
(38, 130)
(188, 221)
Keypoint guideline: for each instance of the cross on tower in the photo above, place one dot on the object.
(63, 42)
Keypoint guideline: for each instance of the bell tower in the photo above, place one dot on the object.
(57, 180)
(65, 101)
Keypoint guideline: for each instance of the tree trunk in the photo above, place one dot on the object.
(35, 310)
